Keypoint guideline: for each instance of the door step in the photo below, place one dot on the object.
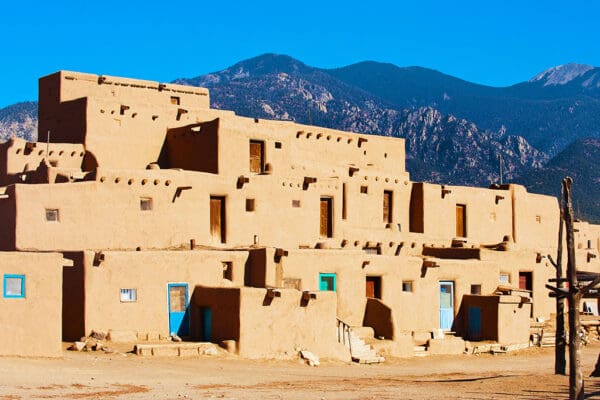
(175, 349)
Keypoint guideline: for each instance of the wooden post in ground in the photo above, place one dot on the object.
(576, 388)
(560, 361)
(574, 293)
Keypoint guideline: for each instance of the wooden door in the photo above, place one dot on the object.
(256, 156)
(387, 206)
(217, 218)
(325, 217)
(373, 287)
(525, 280)
(461, 220)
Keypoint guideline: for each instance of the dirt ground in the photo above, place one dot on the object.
(527, 374)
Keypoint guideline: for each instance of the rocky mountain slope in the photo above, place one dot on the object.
(551, 110)
(580, 161)
(19, 120)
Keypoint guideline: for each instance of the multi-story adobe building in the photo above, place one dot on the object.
(142, 209)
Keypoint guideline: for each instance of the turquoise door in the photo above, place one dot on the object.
(327, 282)
(179, 320)
(475, 323)
(446, 305)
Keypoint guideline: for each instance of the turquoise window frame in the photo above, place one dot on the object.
(13, 296)
(328, 275)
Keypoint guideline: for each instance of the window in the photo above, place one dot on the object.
(387, 206)
(128, 295)
(504, 279)
(145, 203)
(228, 270)
(364, 189)
(277, 145)
(327, 282)
(296, 203)
(407, 286)
(538, 219)
(475, 289)
(175, 100)
(14, 286)
(249, 205)
(51, 214)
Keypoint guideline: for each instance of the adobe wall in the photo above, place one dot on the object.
(423, 301)
(149, 272)
(65, 86)
(19, 159)
(504, 319)
(276, 328)
(31, 325)
(488, 212)
(536, 219)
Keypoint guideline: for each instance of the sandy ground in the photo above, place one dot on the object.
(526, 374)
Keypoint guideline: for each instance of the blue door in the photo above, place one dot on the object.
(475, 323)
(179, 320)
(327, 282)
(446, 305)
(206, 329)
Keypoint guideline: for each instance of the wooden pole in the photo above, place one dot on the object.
(560, 362)
(576, 388)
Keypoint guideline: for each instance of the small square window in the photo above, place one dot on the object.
(277, 145)
(407, 286)
(145, 203)
(538, 219)
(475, 289)
(52, 214)
(250, 204)
(504, 279)
(228, 270)
(364, 189)
(296, 203)
(14, 286)
(128, 295)
(175, 100)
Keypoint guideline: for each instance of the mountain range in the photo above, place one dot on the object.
(455, 130)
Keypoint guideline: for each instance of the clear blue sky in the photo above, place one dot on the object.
(491, 42)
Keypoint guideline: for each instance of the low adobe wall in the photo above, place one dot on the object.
(31, 322)
(273, 327)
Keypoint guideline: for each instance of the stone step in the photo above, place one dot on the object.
(369, 360)
(176, 349)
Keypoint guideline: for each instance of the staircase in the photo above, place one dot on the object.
(360, 352)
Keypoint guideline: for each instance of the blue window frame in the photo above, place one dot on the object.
(13, 286)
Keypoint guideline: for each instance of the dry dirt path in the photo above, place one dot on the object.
(523, 375)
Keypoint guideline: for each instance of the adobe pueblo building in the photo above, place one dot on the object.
(143, 210)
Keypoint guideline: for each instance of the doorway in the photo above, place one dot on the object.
(325, 221)
(179, 321)
(373, 287)
(446, 305)
(217, 218)
(461, 220)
